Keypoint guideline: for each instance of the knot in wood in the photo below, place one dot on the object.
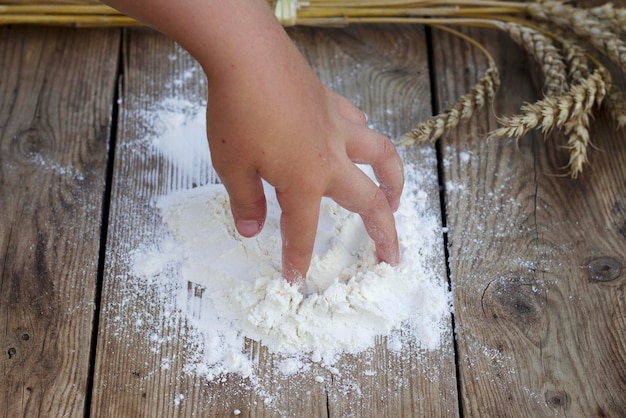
(512, 298)
(30, 144)
(604, 269)
(557, 399)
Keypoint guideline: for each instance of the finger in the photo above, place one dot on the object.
(370, 147)
(298, 224)
(247, 201)
(357, 193)
(348, 110)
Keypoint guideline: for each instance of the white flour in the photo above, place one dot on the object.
(230, 288)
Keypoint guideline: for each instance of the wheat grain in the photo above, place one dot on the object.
(615, 17)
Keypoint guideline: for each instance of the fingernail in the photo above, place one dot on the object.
(248, 228)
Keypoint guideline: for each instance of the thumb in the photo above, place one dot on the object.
(247, 203)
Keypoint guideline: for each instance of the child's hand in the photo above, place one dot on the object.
(280, 124)
(268, 116)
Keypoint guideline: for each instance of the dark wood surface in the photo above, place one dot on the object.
(536, 259)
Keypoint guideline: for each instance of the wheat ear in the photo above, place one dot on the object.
(571, 111)
(615, 17)
(577, 130)
(431, 129)
(555, 111)
(542, 48)
(577, 61)
(583, 24)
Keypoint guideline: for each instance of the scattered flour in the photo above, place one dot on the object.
(230, 288)
(464, 156)
(178, 399)
(182, 139)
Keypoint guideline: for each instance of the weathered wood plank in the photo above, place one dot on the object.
(537, 258)
(386, 76)
(56, 92)
(124, 358)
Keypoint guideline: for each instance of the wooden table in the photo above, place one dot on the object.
(536, 260)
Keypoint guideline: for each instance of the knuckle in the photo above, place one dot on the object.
(361, 117)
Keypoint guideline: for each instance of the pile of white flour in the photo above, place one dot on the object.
(230, 288)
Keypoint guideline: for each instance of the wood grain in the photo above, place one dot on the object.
(384, 72)
(56, 92)
(537, 259)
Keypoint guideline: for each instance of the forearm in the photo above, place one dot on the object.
(225, 36)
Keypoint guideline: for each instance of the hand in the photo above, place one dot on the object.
(269, 116)
(275, 120)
